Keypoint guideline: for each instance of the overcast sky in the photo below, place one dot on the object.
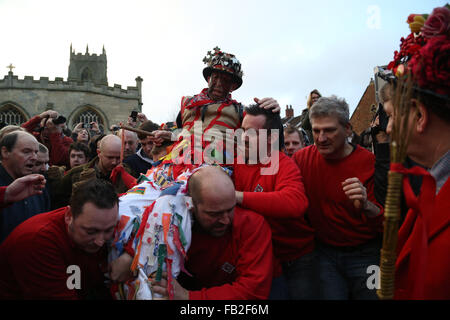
(286, 48)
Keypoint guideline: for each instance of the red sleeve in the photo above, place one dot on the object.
(59, 151)
(254, 268)
(31, 124)
(40, 269)
(2, 197)
(288, 200)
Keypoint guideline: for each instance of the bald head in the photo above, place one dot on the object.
(109, 153)
(211, 180)
(214, 199)
(110, 142)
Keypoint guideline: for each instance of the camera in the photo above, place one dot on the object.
(59, 120)
(133, 115)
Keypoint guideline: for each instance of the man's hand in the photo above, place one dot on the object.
(24, 187)
(355, 191)
(160, 287)
(141, 117)
(94, 127)
(131, 122)
(52, 128)
(159, 136)
(119, 269)
(49, 114)
(268, 103)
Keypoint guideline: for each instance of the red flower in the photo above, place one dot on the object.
(438, 23)
(411, 17)
(431, 66)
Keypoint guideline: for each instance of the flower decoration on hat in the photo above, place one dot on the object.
(409, 46)
(224, 62)
(426, 51)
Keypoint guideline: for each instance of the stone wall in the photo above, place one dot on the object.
(70, 98)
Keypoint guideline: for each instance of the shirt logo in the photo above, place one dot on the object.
(259, 188)
(228, 267)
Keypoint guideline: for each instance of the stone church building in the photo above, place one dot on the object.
(84, 97)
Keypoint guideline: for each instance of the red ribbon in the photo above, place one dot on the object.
(415, 227)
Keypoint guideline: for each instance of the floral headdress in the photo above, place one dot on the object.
(426, 51)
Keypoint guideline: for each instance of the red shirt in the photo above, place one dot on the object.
(436, 280)
(336, 221)
(280, 198)
(235, 266)
(35, 257)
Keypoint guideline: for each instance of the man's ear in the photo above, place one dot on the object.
(68, 217)
(422, 115)
(348, 129)
(4, 152)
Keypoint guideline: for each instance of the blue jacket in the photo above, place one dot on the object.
(18, 212)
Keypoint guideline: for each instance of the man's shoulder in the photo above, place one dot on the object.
(248, 220)
(309, 151)
(41, 228)
(5, 178)
(364, 152)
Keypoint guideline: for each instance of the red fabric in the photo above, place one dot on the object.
(2, 197)
(280, 198)
(58, 146)
(336, 221)
(59, 150)
(423, 262)
(247, 248)
(35, 258)
(127, 178)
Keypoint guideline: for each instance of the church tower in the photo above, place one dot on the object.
(88, 67)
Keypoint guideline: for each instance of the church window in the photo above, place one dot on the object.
(88, 116)
(11, 115)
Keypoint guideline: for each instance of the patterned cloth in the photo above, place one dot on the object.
(155, 221)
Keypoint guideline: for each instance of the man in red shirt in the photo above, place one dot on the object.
(271, 185)
(231, 249)
(338, 179)
(61, 254)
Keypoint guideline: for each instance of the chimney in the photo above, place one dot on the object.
(289, 111)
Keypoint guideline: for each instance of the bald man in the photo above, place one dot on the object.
(130, 142)
(231, 249)
(108, 157)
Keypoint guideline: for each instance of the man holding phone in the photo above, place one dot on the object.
(50, 134)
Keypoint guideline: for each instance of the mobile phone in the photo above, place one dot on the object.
(133, 115)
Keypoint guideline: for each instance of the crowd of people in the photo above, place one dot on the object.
(297, 213)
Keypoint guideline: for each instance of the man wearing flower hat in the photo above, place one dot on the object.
(423, 260)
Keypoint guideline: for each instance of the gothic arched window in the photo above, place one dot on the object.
(87, 116)
(9, 114)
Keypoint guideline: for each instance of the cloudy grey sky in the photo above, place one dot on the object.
(286, 47)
